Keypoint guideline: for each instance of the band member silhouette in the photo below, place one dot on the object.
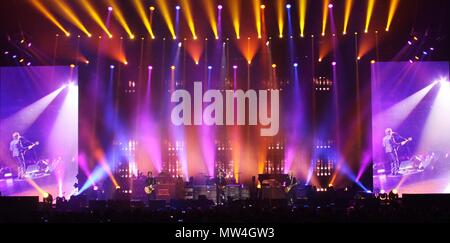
(221, 184)
(150, 184)
(290, 188)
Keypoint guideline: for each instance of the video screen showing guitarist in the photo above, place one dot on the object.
(150, 184)
(391, 144)
(18, 147)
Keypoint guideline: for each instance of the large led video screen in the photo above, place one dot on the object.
(411, 127)
(38, 131)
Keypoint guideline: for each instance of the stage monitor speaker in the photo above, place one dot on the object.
(97, 204)
(119, 204)
(426, 200)
(137, 204)
(18, 204)
(273, 193)
(208, 192)
(156, 204)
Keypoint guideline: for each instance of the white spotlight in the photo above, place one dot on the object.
(443, 81)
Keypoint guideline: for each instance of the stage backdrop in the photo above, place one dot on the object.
(414, 100)
(41, 103)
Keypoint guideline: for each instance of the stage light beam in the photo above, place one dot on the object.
(210, 12)
(142, 14)
(280, 6)
(325, 15)
(392, 9)
(235, 12)
(89, 8)
(71, 16)
(302, 15)
(63, 136)
(370, 5)
(257, 15)
(187, 10)
(24, 118)
(164, 8)
(41, 8)
(120, 18)
(348, 10)
(436, 130)
(401, 110)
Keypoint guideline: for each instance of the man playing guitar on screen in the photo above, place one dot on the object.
(18, 147)
(391, 146)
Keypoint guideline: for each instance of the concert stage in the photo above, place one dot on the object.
(210, 111)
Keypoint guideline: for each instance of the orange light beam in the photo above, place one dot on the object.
(302, 15)
(95, 16)
(348, 9)
(392, 9)
(164, 8)
(141, 11)
(210, 12)
(325, 15)
(41, 8)
(120, 18)
(257, 14)
(280, 16)
(37, 187)
(235, 12)
(71, 16)
(370, 5)
(187, 10)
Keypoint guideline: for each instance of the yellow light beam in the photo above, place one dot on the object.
(41, 8)
(348, 10)
(257, 14)
(141, 11)
(302, 15)
(392, 9)
(235, 12)
(71, 16)
(120, 18)
(370, 6)
(36, 187)
(210, 12)
(94, 15)
(164, 8)
(325, 15)
(152, 11)
(187, 10)
(280, 16)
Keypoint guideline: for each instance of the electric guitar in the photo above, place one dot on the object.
(406, 141)
(28, 148)
(149, 189)
(287, 189)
